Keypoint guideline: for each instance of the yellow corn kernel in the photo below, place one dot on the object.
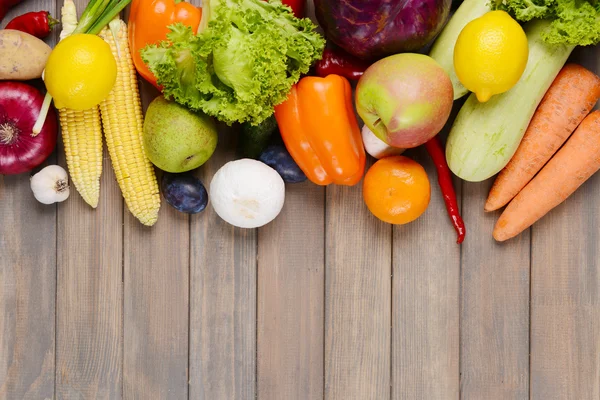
(122, 120)
(82, 138)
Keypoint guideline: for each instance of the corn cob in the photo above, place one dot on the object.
(122, 120)
(81, 133)
(82, 138)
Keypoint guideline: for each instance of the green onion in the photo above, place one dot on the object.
(98, 14)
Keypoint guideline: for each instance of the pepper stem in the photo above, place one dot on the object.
(52, 22)
(39, 123)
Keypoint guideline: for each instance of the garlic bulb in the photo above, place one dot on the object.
(50, 185)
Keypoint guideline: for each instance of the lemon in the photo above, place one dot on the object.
(491, 54)
(80, 72)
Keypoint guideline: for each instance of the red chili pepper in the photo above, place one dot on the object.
(338, 62)
(6, 5)
(38, 23)
(436, 152)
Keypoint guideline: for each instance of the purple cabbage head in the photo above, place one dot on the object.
(371, 29)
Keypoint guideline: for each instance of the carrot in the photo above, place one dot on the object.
(572, 165)
(569, 99)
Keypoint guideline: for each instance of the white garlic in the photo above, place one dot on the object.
(376, 147)
(50, 185)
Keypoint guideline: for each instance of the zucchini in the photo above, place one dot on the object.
(485, 136)
(442, 50)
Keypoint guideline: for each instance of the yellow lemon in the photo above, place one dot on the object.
(80, 72)
(491, 54)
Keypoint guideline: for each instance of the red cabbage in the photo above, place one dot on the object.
(372, 29)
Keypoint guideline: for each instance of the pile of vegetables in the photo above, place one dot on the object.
(262, 67)
(483, 139)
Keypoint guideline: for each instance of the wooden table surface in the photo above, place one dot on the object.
(326, 302)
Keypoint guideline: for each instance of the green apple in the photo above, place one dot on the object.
(177, 139)
(405, 99)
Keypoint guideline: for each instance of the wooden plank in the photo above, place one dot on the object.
(425, 301)
(27, 292)
(27, 277)
(89, 301)
(291, 304)
(222, 298)
(565, 292)
(156, 303)
(494, 336)
(357, 298)
(90, 293)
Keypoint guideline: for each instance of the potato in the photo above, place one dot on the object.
(22, 56)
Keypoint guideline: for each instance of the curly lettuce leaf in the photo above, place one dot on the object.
(574, 22)
(241, 64)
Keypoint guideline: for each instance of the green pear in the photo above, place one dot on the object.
(177, 139)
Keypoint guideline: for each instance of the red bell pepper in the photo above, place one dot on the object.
(36, 23)
(338, 62)
(298, 6)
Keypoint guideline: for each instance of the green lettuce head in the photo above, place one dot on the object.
(241, 64)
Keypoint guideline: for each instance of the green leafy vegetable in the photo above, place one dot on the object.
(574, 22)
(242, 63)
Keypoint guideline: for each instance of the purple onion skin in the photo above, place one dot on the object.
(372, 29)
(20, 105)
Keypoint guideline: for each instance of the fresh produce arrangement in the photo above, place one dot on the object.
(308, 108)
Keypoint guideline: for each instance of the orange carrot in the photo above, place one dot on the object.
(572, 165)
(569, 99)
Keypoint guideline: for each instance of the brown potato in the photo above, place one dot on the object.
(22, 56)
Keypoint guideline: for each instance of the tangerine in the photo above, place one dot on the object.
(396, 190)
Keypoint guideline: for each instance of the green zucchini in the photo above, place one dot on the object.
(485, 136)
(442, 50)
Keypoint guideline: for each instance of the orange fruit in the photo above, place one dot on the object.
(396, 190)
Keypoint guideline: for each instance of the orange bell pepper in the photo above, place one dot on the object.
(148, 24)
(320, 130)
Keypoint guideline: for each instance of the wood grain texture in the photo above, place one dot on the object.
(565, 292)
(358, 298)
(425, 301)
(223, 298)
(89, 308)
(156, 302)
(494, 336)
(291, 303)
(27, 277)
(27, 292)
(89, 301)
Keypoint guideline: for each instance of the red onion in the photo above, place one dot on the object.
(20, 149)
